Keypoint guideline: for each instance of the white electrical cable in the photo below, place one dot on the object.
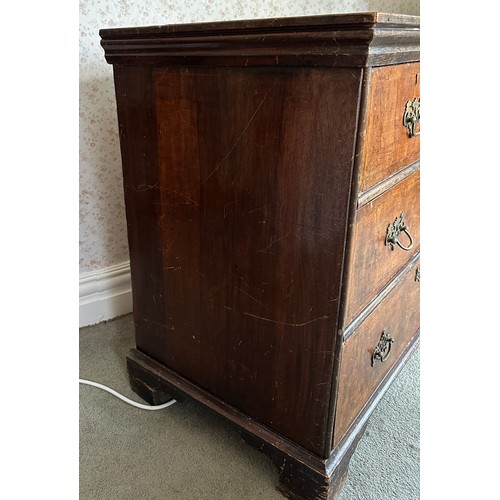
(127, 400)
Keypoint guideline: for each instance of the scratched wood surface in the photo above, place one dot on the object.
(387, 147)
(137, 130)
(238, 200)
(397, 315)
(338, 40)
(373, 263)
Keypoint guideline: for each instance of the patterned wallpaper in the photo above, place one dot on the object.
(103, 238)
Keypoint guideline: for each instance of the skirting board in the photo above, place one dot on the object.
(105, 294)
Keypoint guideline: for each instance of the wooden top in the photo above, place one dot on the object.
(361, 39)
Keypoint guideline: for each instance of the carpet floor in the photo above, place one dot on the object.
(186, 452)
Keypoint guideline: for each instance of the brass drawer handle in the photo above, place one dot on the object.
(383, 348)
(411, 116)
(394, 230)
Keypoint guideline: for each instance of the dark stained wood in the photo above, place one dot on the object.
(148, 384)
(247, 214)
(379, 297)
(365, 86)
(141, 183)
(156, 378)
(359, 423)
(297, 481)
(302, 475)
(372, 262)
(329, 40)
(384, 185)
(397, 315)
(263, 161)
(307, 476)
(387, 146)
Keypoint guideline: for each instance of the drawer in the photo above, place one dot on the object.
(398, 316)
(373, 262)
(388, 146)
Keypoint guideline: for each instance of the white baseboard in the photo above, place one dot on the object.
(105, 294)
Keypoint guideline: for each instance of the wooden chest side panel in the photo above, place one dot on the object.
(249, 204)
(136, 109)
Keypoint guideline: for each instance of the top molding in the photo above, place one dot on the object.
(345, 40)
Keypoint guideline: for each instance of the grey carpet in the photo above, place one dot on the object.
(186, 452)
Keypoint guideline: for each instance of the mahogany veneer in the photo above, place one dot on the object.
(263, 164)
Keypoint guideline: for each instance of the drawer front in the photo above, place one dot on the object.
(388, 146)
(361, 373)
(373, 260)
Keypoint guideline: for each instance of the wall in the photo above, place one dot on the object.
(103, 239)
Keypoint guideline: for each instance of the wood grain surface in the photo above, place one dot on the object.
(387, 147)
(263, 161)
(245, 215)
(373, 263)
(338, 40)
(136, 117)
(397, 315)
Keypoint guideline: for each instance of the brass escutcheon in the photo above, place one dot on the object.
(383, 348)
(411, 116)
(394, 230)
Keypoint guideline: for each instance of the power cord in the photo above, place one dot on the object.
(127, 400)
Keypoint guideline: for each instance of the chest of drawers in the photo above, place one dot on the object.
(271, 179)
